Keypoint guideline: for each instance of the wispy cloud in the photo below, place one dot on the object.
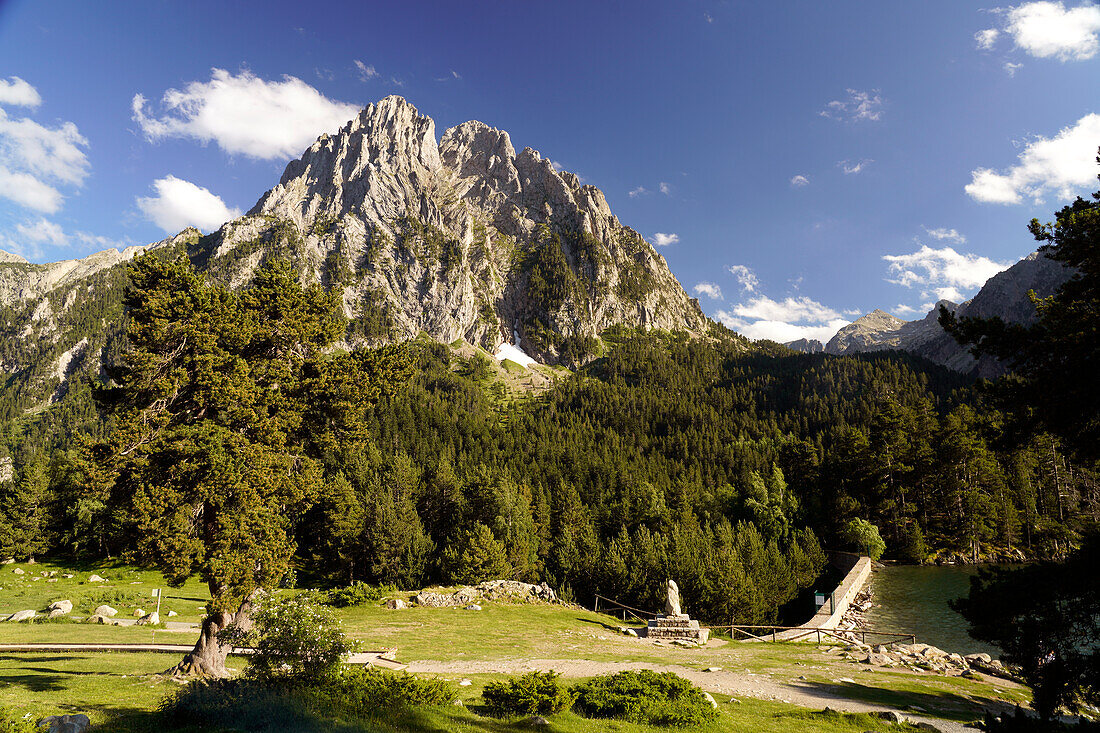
(857, 106)
(663, 240)
(245, 114)
(799, 181)
(1063, 164)
(366, 73)
(639, 191)
(665, 188)
(987, 38)
(946, 235)
(708, 289)
(851, 168)
(746, 278)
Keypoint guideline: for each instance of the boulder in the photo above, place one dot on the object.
(538, 721)
(149, 619)
(473, 607)
(395, 604)
(710, 698)
(99, 619)
(63, 606)
(105, 610)
(26, 615)
(139, 612)
(56, 613)
(65, 723)
(890, 716)
(18, 571)
(93, 578)
(631, 632)
(980, 657)
(172, 613)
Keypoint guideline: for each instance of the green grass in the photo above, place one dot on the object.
(512, 367)
(127, 588)
(500, 632)
(119, 692)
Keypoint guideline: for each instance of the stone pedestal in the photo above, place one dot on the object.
(675, 627)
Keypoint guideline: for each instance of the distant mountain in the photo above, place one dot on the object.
(806, 346)
(458, 238)
(1004, 295)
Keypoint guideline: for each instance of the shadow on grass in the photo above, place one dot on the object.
(940, 703)
(607, 626)
(401, 720)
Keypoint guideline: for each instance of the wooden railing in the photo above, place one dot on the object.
(772, 633)
(613, 607)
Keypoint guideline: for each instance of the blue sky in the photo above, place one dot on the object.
(798, 164)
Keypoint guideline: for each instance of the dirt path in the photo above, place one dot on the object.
(722, 682)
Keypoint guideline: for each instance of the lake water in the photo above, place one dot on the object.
(913, 599)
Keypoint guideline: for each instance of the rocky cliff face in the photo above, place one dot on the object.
(1004, 295)
(457, 239)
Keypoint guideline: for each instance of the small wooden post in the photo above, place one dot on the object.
(773, 633)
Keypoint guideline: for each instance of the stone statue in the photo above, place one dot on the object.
(672, 601)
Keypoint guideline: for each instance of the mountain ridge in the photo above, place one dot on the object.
(1004, 295)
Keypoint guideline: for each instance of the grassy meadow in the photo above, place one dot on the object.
(121, 691)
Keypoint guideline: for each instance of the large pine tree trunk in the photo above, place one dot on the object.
(207, 659)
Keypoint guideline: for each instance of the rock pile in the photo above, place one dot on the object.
(922, 657)
(491, 590)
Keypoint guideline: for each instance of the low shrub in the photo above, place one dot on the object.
(359, 594)
(368, 691)
(1027, 722)
(644, 697)
(535, 693)
(251, 704)
(10, 723)
(114, 598)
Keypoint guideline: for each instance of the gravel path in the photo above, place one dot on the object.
(722, 682)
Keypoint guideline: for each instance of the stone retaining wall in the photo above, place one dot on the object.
(856, 569)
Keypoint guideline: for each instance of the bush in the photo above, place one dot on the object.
(359, 594)
(535, 693)
(367, 691)
(251, 704)
(293, 638)
(644, 697)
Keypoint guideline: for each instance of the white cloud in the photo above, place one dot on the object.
(746, 278)
(857, 106)
(42, 232)
(708, 17)
(665, 188)
(663, 240)
(639, 191)
(53, 154)
(943, 273)
(27, 191)
(985, 39)
(946, 235)
(851, 168)
(1049, 30)
(19, 93)
(787, 320)
(1012, 68)
(245, 114)
(905, 310)
(180, 204)
(1062, 164)
(708, 289)
(800, 180)
(366, 73)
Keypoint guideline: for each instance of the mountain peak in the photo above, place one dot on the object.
(460, 238)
